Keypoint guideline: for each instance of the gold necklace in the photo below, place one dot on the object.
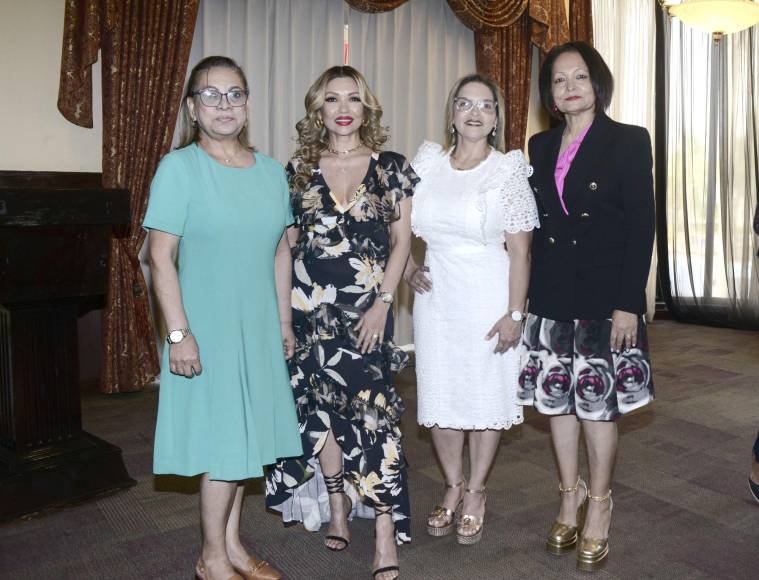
(219, 158)
(346, 151)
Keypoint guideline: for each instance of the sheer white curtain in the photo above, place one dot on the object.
(410, 56)
(712, 173)
(624, 32)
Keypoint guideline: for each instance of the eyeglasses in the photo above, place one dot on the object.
(212, 97)
(462, 105)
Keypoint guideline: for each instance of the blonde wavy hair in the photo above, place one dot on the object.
(313, 137)
(497, 141)
(189, 132)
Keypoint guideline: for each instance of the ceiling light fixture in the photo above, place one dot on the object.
(718, 17)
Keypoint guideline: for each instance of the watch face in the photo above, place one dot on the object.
(386, 297)
(516, 316)
(176, 336)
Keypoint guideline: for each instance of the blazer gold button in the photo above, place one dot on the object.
(574, 242)
(551, 241)
(593, 186)
(584, 215)
(535, 189)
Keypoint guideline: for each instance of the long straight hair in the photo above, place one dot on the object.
(497, 141)
(189, 132)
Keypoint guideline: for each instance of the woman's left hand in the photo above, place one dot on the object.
(288, 339)
(508, 331)
(624, 330)
(371, 327)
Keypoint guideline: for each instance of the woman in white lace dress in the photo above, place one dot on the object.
(471, 294)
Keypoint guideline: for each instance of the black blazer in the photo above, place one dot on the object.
(595, 260)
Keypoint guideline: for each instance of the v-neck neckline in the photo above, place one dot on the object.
(357, 191)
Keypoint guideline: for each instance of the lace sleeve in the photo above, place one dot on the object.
(520, 213)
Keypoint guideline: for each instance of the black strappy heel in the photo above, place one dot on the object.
(379, 511)
(335, 485)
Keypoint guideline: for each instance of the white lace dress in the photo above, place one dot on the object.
(463, 217)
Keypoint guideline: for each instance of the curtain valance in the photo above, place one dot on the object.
(485, 15)
(375, 5)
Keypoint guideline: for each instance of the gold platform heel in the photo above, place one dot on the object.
(443, 514)
(561, 537)
(592, 552)
(469, 528)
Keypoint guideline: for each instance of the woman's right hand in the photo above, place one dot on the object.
(184, 357)
(418, 279)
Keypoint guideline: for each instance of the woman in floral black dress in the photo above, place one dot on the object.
(351, 240)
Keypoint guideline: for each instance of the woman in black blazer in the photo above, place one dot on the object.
(586, 361)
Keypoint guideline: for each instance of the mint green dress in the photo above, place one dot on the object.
(239, 414)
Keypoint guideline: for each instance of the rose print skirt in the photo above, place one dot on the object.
(568, 368)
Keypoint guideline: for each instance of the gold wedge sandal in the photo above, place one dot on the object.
(444, 515)
(469, 528)
(562, 538)
(592, 552)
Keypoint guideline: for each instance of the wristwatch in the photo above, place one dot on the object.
(177, 336)
(516, 315)
(386, 297)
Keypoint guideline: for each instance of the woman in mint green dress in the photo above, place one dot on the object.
(226, 407)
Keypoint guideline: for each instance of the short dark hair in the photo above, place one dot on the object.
(600, 75)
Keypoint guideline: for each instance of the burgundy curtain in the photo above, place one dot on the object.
(145, 46)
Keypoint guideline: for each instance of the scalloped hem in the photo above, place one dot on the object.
(493, 426)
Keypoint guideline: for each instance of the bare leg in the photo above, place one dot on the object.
(385, 552)
(482, 448)
(237, 553)
(216, 499)
(449, 447)
(601, 440)
(331, 462)
(565, 435)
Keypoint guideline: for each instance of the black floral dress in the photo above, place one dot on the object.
(338, 265)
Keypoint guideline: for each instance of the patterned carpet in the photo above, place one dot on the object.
(682, 506)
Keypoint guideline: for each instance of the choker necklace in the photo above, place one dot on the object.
(346, 151)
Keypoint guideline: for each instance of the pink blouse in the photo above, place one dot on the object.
(564, 162)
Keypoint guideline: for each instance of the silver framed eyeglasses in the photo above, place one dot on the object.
(463, 105)
(212, 98)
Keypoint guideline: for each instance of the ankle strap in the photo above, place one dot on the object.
(382, 510)
(455, 485)
(334, 483)
(600, 498)
(481, 490)
(574, 488)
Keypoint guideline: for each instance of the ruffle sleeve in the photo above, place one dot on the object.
(427, 158)
(397, 180)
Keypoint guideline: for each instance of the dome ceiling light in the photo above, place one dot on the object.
(718, 17)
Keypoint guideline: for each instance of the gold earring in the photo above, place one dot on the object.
(318, 122)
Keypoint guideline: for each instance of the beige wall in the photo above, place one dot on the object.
(36, 136)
